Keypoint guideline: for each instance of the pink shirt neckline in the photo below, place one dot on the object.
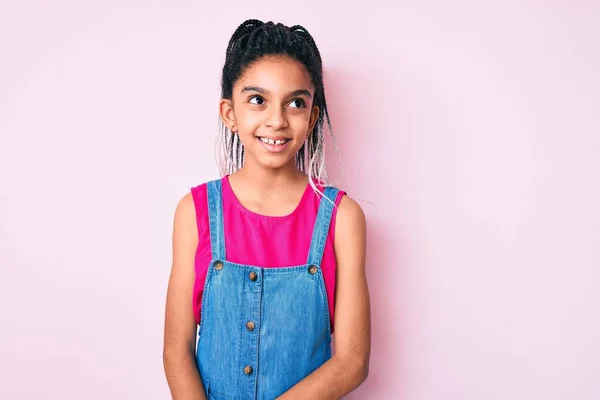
(227, 187)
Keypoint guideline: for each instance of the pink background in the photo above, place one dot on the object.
(470, 133)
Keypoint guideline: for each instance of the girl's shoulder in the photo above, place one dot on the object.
(345, 206)
(202, 186)
(198, 196)
(330, 191)
(199, 191)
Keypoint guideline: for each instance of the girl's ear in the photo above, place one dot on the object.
(227, 114)
(314, 116)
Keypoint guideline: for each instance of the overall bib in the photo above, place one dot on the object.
(262, 330)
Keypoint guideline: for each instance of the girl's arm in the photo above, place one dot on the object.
(180, 325)
(349, 366)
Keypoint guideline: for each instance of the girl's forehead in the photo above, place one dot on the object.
(276, 73)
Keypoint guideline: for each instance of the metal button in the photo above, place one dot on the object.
(253, 276)
(312, 269)
(218, 265)
(248, 370)
(250, 326)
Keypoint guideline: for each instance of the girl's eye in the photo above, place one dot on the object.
(299, 103)
(259, 100)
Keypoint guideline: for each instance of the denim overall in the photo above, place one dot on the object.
(262, 330)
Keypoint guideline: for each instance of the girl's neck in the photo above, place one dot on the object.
(268, 180)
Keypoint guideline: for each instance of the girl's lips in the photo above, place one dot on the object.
(273, 148)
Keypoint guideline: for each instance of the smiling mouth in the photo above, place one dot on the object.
(278, 142)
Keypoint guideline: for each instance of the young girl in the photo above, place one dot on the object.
(265, 257)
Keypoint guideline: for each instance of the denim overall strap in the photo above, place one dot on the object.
(215, 218)
(321, 229)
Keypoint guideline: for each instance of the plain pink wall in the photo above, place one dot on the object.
(470, 132)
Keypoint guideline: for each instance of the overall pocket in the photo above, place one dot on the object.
(206, 384)
(207, 390)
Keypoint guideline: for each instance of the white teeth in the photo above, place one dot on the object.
(271, 141)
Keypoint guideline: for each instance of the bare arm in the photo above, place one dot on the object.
(180, 325)
(349, 367)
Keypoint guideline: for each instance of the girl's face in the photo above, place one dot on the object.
(271, 110)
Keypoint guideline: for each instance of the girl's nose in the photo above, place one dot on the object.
(276, 118)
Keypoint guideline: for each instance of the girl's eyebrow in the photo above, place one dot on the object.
(299, 92)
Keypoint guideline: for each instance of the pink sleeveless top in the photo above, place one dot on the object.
(249, 238)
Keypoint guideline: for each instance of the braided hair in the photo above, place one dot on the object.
(251, 41)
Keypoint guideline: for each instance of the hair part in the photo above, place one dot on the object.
(252, 41)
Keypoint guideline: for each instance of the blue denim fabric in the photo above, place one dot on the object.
(291, 336)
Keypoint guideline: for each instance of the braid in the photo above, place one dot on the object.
(244, 28)
(252, 40)
(300, 30)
